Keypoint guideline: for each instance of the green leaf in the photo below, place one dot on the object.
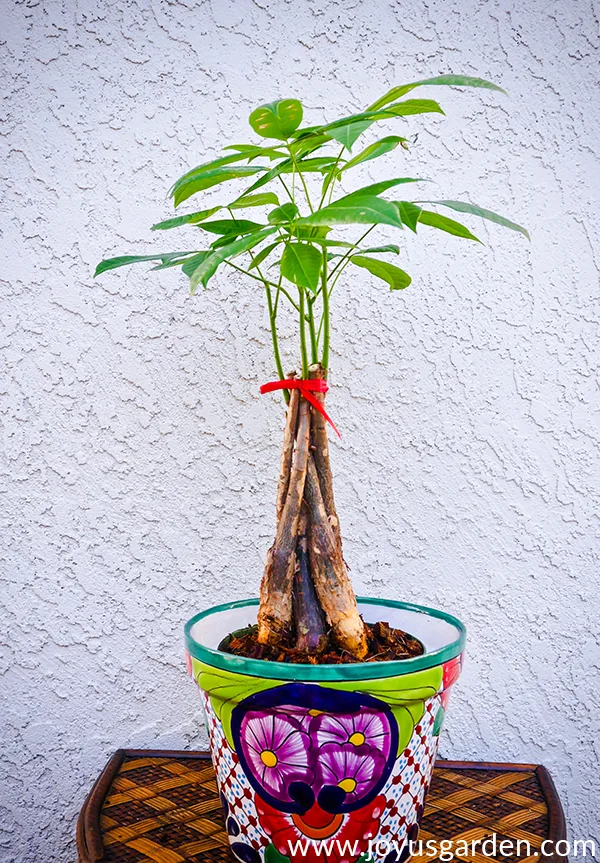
(254, 151)
(379, 188)
(264, 253)
(409, 213)
(188, 219)
(281, 168)
(125, 260)
(301, 264)
(319, 164)
(348, 134)
(281, 215)
(396, 278)
(426, 217)
(373, 151)
(358, 210)
(205, 179)
(304, 146)
(461, 207)
(233, 227)
(412, 106)
(262, 199)
(321, 241)
(450, 80)
(192, 263)
(389, 248)
(309, 232)
(219, 163)
(176, 262)
(204, 272)
(277, 119)
(348, 129)
(248, 152)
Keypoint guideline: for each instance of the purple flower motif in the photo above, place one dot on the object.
(277, 750)
(354, 769)
(369, 727)
(302, 715)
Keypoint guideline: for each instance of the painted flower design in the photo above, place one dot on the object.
(302, 745)
(302, 715)
(358, 827)
(277, 750)
(370, 727)
(354, 769)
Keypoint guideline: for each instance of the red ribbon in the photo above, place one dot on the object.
(307, 388)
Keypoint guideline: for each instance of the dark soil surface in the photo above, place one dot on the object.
(385, 644)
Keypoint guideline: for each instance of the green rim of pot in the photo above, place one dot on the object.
(352, 671)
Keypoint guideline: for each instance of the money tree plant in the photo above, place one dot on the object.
(310, 232)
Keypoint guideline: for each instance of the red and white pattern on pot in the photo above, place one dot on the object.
(237, 795)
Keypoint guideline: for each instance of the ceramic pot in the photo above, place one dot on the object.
(324, 762)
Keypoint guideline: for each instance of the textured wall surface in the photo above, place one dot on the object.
(139, 463)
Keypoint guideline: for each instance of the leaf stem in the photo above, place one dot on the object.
(331, 179)
(350, 251)
(265, 282)
(302, 180)
(285, 186)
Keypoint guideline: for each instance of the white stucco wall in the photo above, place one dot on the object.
(139, 465)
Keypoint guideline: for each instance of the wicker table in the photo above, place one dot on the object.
(163, 807)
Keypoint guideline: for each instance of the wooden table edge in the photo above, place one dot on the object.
(89, 837)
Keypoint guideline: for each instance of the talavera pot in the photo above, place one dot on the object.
(324, 762)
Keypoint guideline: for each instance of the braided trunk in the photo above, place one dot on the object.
(305, 590)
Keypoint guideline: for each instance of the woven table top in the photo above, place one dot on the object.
(163, 807)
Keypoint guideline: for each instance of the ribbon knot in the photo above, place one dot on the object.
(307, 388)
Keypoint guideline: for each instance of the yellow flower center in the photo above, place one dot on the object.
(315, 712)
(347, 785)
(268, 758)
(357, 739)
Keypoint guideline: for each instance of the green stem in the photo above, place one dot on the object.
(313, 333)
(275, 340)
(278, 294)
(325, 316)
(273, 326)
(303, 350)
